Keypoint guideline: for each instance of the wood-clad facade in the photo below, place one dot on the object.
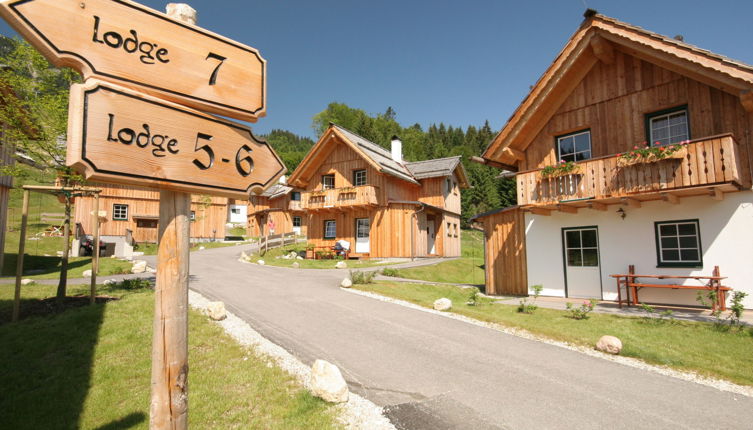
(613, 89)
(353, 190)
(136, 209)
(281, 212)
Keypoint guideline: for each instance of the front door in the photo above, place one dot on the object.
(582, 272)
(430, 236)
(362, 235)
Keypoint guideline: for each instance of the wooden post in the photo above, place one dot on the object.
(169, 403)
(20, 259)
(95, 250)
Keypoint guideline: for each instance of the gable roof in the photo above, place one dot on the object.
(594, 41)
(439, 167)
(377, 154)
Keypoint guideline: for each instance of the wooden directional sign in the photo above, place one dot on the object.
(138, 47)
(121, 136)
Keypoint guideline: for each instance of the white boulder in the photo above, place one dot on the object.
(299, 258)
(139, 266)
(244, 255)
(609, 344)
(27, 281)
(216, 311)
(443, 304)
(87, 273)
(341, 265)
(346, 283)
(328, 383)
(109, 282)
(260, 262)
(201, 248)
(295, 265)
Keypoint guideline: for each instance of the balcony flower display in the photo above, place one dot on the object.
(562, 168)
(650, 154)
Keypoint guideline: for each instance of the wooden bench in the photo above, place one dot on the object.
(631, 283)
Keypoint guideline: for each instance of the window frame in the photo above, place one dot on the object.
(574, 133)
(324, 229)
(295, 196)
(297, 218)
(649, 117)
(192, 217)
(324, 185)
(680, 264)
(125, 206)
(355, 177)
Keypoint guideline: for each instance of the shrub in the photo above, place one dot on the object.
(473, 296)
(581, 312)
(529, 308)
(660, 316)
(391, 272)
(134, 284)
(359, 277)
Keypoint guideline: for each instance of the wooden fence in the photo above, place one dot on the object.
(276, 241)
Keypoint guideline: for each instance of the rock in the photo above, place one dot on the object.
(87, 274)
(296, 265)
(151, 270)
(139, 266)
(327, 382)
(244, 255)
(260, 262)
(109, 282)
(299, 258)
(346, 283)
(443, 304)
(60, 253)
(216, 311)
(201, 248)
(27, 281)
(609, 344)
(341, 265)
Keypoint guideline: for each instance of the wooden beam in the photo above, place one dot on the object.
(597, 206)
(540, 211)
(567, 209)
(602, 49)
(746, 98)
(514, 153)
(670, 198)
(496, 164)
(716, 193)
(633, 203)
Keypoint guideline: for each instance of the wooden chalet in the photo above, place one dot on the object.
(355, 190)
(126, 208)
(279, 207)
(676, 212)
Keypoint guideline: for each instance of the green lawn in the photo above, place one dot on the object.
(270, 259)
(89, 368)
(468, 269)
(700, 347)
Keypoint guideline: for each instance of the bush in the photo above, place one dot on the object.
(134, 284)
(473, 297)
(391, 272)
(529, 308)
(581, 312)
(359, 277)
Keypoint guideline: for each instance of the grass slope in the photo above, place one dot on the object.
(700, 347)
(89, 368)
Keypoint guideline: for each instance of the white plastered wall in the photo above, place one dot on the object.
(726, 238)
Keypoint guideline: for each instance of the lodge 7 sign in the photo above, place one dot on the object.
(118, 135)
(138, 47)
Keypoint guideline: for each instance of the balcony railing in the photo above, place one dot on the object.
(294, 205)
(708, 161)
(338, 198)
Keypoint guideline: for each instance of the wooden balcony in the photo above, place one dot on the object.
(294, 205)
(340, 198)
(709, 165)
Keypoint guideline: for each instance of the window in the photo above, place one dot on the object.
(328, 182)
(146, 223)
(295, 196)
(120, 212)
(455, 229)
(449, 231)
(574, 146)
(668, 126)
(330, 229)
(581, 247)
(678, 244)
(235, 211)
(359, 177)
(448, 184)
(296, 221)
(193, 215)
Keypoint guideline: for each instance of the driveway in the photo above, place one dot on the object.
(438, 373)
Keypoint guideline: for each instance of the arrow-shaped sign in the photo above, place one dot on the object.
(119, 135)
(138, 47)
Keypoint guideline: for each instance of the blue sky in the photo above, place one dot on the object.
(457, 62)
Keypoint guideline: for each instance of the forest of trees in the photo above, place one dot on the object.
(487, 192)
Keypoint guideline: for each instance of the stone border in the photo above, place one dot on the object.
(718, 384)
(357, 414)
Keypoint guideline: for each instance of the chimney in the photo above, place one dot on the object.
(397, 149)
(283, 180)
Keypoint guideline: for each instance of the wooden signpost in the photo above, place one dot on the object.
(163, 140)
(139, 47)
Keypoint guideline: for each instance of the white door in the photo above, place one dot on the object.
(362, 235)
(431, 237)
(582, 272)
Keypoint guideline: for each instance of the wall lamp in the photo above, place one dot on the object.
(622, 213)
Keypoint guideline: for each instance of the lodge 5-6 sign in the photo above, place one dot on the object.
(118, 135)
(130, 44)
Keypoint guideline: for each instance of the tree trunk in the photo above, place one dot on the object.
(66, 247)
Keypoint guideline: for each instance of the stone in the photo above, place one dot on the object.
(201, 248)
(327, 382)
(609, 344)
(299, 258)
(295, 265)
(443, 304)
(341, 265)
(260, 262)
(151, 269)
(27, 281)
(216, 311)
(60, 253)
(139, 266)
(244, 255)
(109, 282)
(87, 274)
(346, 283)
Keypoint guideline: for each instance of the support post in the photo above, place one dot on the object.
(20, 259)
(95, 250)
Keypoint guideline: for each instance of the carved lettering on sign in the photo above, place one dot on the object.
(130, 44)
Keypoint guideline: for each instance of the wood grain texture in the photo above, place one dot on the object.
(505, 253)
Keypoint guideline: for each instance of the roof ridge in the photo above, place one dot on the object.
(434, 159)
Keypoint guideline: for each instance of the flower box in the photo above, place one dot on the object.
(631, 159)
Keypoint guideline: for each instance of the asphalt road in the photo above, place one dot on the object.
(438, 373)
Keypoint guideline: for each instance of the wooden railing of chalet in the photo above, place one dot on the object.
(294, 205)
(708, 161)
(364, 195)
